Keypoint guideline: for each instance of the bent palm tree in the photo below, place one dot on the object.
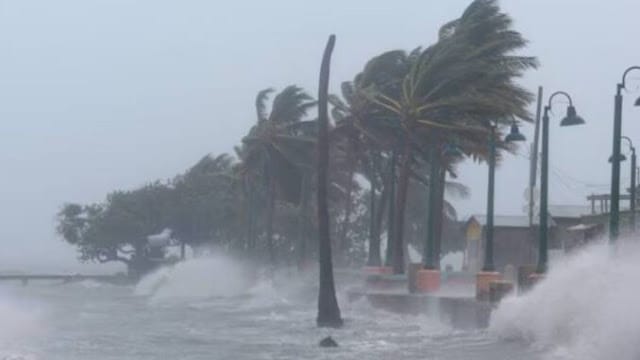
(454, 88)
(274, 150)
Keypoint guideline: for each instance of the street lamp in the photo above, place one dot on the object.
(514, 135)
(632, 202)
(614, 216)
(570, 119)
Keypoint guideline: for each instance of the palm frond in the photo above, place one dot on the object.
(261, 106)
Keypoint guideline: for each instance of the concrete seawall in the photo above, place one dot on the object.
(459, 312)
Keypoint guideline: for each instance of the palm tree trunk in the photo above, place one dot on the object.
(374, 258)
(251, 241)
(328, 310)
(401, 198)
(439, 217)
(303, 221)
(271, 208)
(391, 213)
(343, 245)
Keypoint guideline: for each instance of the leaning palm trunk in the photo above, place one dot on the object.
(391, 214)
(250, 213)
(401, 199)
(328, 310)
(344, 245)
(381, 210)
(303, 235)
(374, 231)
(439, 214)
(271, 208)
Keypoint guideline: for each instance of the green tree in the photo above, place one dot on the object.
(275, 151)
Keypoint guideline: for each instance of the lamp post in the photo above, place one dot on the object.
(632, 201)
(570, 119)
(513, 136)
(488, 272)
(614, 216)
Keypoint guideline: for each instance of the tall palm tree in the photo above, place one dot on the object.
(453, 88)
(361, 125)
(328, 310)
(274, 150)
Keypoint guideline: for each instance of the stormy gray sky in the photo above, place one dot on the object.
(104, 94)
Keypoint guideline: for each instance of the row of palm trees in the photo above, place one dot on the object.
(399, 127)
(403, 123)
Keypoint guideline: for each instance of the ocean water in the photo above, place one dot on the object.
(215, 309)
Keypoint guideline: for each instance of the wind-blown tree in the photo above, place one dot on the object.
(199, 206)
(274, 151)
(328, 310)
(204, 207)
(453, 88)
(348, 137)
(363, 126)
(117, 230)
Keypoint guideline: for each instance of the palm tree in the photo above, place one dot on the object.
(328, 310)
(275, 151)
(453, 88)
(361, 125)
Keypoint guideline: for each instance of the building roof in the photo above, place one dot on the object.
(569, 211)
(517, 221)
(582, 227)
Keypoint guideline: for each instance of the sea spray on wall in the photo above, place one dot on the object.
(213, 276)
(586, 307)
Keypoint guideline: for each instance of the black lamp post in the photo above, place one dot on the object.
(513, 136)
(632, 202)
(570, 119)
(614, 216)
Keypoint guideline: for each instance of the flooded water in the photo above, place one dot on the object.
(203, 309)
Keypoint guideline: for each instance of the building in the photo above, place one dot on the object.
(577, 225)
(514, 241)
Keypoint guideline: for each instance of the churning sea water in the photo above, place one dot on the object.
(210, 309)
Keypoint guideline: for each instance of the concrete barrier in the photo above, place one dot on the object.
(483, 281)
(386, 282)
(499, 289)
(412, 273)
(459, 312)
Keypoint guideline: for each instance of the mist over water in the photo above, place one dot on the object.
(586, 308)
(216, 308)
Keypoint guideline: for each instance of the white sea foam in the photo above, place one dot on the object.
(19, 324)
(586, 308)
(214, 276)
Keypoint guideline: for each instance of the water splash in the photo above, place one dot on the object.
(20, 323)
(586, 308)
(214, 276)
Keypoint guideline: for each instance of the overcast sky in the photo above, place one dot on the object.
(103, 94)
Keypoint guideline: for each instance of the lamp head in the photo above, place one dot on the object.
(572, 117)
(514, 134)
(452, 151)
(622, 158)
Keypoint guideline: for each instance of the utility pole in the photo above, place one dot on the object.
(534, 157)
